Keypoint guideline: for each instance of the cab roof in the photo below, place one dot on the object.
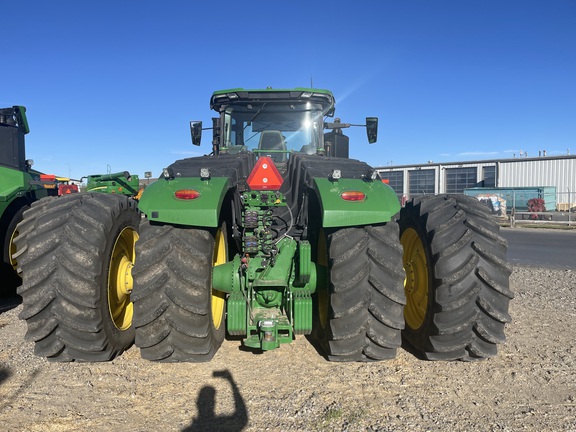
(223, 98)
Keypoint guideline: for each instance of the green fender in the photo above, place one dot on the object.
(12, 182)
(16, 184)
(159, 203)
(379, 205)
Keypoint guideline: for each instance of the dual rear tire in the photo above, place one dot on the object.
(443, 288)
(76, 254)
(444, 292)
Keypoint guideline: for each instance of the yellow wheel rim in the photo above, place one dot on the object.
(323, 298)
(12, 250)
(120, 281)
(416, 282)
(218, 297)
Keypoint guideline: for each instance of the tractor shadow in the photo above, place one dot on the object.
(405, 346)
(317, 346)
(207, 420)
(4, 375)
(9, 284)
(8, 400)
(9, 302)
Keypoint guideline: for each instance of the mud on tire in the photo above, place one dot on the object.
(72, 251)
(457, 278)
(359, 311)
(173, 299)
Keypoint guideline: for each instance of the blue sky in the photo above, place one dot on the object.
(112, 85)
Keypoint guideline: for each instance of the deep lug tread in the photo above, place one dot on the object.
(172, 294)
(384, 335)
(469, 278)
(64, 246)
(456, 296)
(366, 294)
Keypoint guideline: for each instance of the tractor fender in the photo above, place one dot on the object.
(378, 205)
(159, 203)
(16, 184)
(13, 184)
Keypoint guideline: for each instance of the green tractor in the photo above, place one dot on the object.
(276, 233)
(19, 187)
(122, 183)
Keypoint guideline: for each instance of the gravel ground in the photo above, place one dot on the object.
(530, 385)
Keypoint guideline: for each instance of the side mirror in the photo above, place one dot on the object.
(372, 129)
(196, 132)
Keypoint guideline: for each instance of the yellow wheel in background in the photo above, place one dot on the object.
(218, 297)
(416, 283)
(12, 249)
(120, 281)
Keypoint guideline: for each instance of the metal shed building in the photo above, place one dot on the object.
(453, 177)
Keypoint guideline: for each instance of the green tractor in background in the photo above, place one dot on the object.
(122, 183)
(20, 186)
(276, 233)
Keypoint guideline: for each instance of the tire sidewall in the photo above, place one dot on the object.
(320, 334)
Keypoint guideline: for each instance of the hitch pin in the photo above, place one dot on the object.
(268, 328)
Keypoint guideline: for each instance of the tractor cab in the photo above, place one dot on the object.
(13, 127)
(275, 123)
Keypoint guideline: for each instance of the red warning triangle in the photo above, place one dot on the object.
(265, 175)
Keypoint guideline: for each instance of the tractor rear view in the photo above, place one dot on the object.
(276, 234)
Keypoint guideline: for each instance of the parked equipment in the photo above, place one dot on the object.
(20, 185)
(65, 187)
(277, 233)
(122, 183)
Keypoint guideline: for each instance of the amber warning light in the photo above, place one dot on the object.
(265, 175)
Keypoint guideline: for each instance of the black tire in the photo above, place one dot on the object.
(358, 314)
(173, 294)
(75, 254)
(8, 274)
(457, 278)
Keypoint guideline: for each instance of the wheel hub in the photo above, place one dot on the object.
(218, 297)
(416, 282)
(120, 282)
(12, 250)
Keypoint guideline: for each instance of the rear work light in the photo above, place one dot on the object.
(353, 196)
(187, 194)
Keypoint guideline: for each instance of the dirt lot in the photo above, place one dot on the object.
(530, 385)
